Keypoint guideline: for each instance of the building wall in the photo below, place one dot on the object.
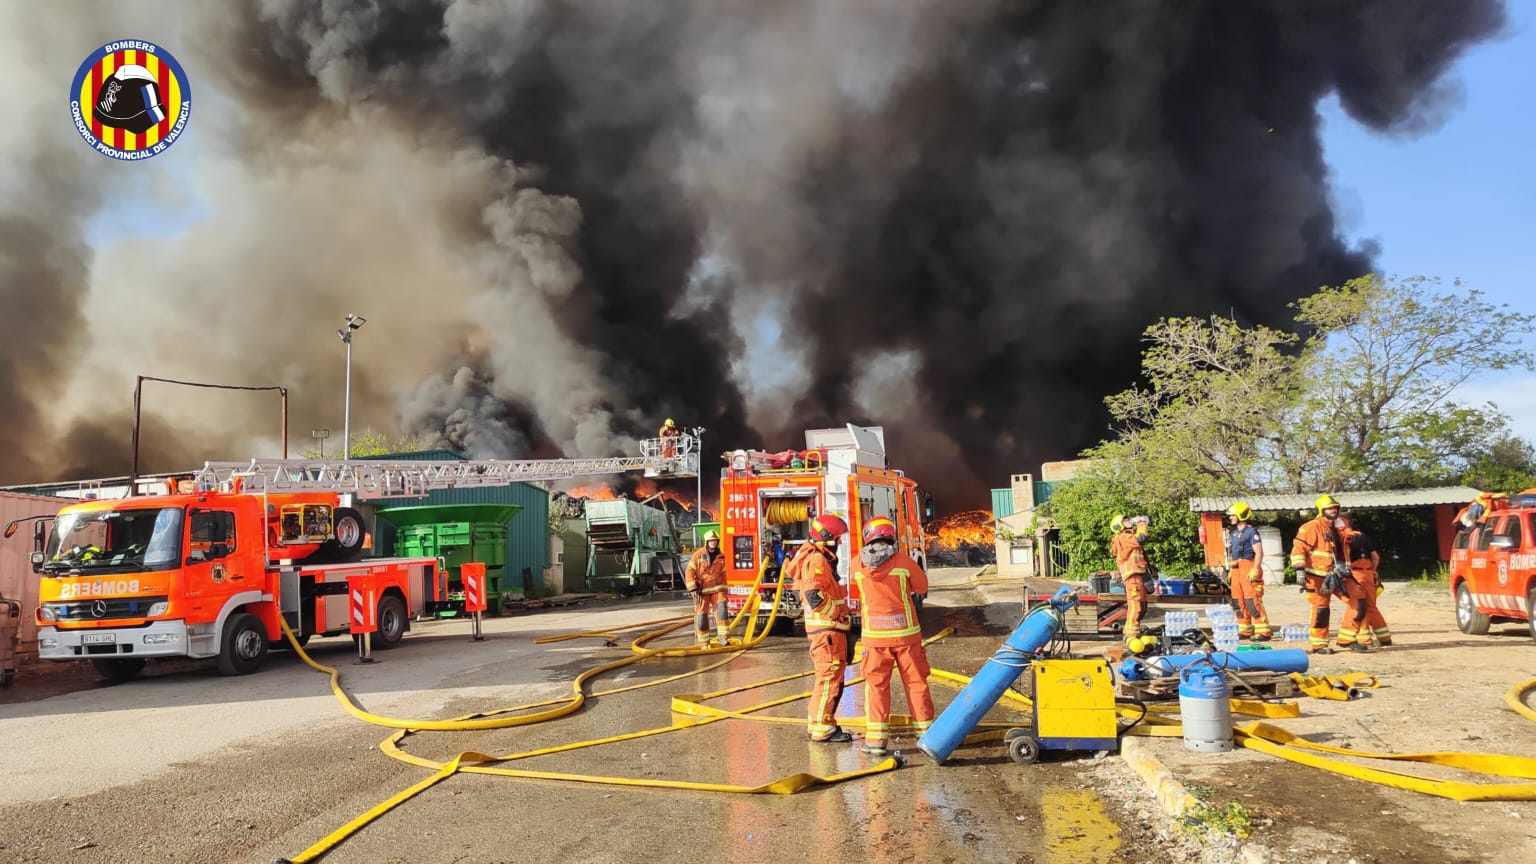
(17, 581)
(1015, 557)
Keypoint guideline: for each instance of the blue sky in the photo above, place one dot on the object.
(1460, 201)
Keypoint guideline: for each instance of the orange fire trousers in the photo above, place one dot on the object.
(1135, 603)
(1362, 620)
(829, 657)
(703, 605)
(912, 662)
(1248, 597)
(1317, 634)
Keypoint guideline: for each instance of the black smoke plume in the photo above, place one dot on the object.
(950, 218)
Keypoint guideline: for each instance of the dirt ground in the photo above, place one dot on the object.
(1440, 690)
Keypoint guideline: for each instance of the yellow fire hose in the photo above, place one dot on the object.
(1515, 699)
(1260, 736)
(473, 762)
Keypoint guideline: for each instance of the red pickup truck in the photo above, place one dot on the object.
(1493, 566)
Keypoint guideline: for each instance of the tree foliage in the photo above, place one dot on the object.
(371, 443)
(1362, 395)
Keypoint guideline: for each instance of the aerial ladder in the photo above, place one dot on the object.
(671, 458)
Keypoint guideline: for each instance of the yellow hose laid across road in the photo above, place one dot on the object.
(1515, 699)
(473, 762)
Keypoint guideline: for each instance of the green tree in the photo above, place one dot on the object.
(371, 443)
(1083, 507)
(1379, 376)
(1507, 465)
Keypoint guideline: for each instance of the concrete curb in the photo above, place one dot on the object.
(1165, 787)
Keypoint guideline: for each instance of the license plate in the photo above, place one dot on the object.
(98, 638)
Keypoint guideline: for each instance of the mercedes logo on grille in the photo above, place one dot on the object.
(99, 608)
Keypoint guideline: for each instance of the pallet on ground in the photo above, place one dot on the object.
(1246, 684)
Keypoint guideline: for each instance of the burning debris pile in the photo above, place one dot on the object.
(680, 506)
(963, 539)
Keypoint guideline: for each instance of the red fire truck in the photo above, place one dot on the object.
(208, 570)
(1493, 566)
(768, 499)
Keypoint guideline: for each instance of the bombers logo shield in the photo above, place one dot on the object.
(130, 100)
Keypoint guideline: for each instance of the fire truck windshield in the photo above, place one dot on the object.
(140, 539)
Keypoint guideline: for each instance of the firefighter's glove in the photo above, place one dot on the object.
(698, 593)
(1333, 583)
(917, 601)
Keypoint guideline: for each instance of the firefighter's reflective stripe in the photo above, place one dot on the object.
(893, 625)
(831, 616)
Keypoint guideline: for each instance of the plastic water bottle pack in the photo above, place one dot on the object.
(1224, 635)
(1293, 633)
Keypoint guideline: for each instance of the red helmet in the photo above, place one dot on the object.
(826, 528)
(879, 528)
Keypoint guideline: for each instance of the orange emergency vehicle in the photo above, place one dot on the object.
(768, 499)
(205, 573)
(1493, 566)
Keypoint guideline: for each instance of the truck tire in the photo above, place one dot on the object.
(116, 670)
(347, 545)
(1530, 609)
(392, 622)
(245, 645)
(1471, 621)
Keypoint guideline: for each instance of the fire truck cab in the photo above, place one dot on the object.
(767, 501)
(1493, 566)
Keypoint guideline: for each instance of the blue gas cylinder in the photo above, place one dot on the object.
(1205, 709)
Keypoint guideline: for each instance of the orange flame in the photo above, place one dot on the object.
(969, 526)
(645, 489)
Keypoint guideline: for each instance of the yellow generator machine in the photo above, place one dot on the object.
(1074, 702)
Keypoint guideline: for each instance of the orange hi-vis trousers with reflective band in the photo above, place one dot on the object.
(912, 662)
(1248, 596)
(1135, 604)
(1319, 600)
(829, 657)
(704, 604)
(1362, 619)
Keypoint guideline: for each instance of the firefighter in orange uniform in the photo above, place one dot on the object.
(1468, 517)
(813, 572)
(893, 639)
(1131, 559)
(705, 577)
(1245, 564)
(669, 434)
(1362, 591)
(1320, 557)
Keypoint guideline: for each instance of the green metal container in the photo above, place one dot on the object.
(457, 534)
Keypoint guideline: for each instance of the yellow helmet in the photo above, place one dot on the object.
(1138, 644)
(669, 423)
(1325, 501)
(1241, 510)
(1117, 524)
(711, 535)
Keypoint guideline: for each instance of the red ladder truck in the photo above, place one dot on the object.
(206, 570)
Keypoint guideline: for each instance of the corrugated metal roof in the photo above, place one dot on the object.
(1366, 500)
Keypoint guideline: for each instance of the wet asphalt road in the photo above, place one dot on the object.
(187, 766)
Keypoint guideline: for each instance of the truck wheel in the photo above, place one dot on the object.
(245, 645)
(351, 531)
(1468, 618)
(392, 622)
(1530, 609)
(118, 671)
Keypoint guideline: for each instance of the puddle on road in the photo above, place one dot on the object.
(1077, 831)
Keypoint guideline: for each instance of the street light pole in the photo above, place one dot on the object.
(351, 326)
(698, 501)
